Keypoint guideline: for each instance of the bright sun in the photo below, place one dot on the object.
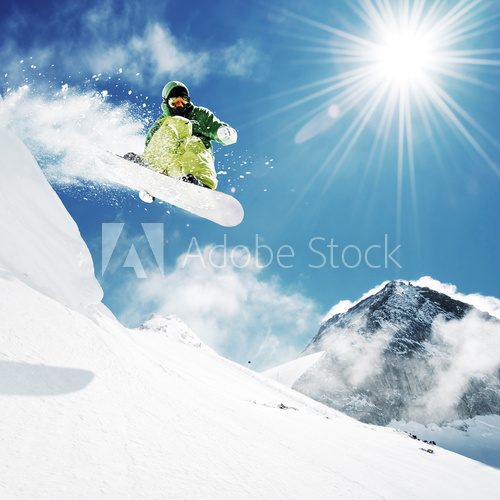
(403, 57)
(395, 73)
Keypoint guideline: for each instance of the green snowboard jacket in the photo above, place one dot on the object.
(205, 123)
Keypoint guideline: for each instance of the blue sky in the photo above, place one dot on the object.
(258, 67)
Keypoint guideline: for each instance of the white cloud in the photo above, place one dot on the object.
(11, 57)
(484, 303)
(240, 58)
(356, 356)
(470, 348)
(158, 55)
(110, 37)
(107, 59)
(97, 19)
(236, 311)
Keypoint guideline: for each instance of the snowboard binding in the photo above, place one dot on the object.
(193, 180)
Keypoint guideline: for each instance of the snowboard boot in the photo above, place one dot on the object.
(134, 157)
(193, 180)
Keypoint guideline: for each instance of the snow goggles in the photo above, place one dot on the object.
(176, 102)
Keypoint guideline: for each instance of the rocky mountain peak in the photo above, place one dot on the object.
(391, 355)
(401, 307)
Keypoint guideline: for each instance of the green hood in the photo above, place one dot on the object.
(166, 92)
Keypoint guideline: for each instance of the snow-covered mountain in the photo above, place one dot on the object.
(406, 309)
(405, 353)
(395, 334)
(91, 409)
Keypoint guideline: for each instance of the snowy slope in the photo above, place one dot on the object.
(477, 438)
(96, 411)
(41, 244)
(92, 410)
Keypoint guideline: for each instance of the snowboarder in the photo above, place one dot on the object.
(179, 142)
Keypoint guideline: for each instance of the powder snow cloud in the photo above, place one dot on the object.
(66, 128)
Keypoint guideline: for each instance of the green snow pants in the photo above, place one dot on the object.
(174, 151)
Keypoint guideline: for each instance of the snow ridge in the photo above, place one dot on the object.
(41, 244)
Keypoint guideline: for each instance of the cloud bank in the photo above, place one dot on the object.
(484, 303)
(467, 349)
(237, 311)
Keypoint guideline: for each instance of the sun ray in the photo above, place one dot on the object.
(437, 95)
(400, 164)
(461, 76)
(353, 132)
(394, 66)
(401, 62)
(353, 127)
(411, 161)
(344, 81)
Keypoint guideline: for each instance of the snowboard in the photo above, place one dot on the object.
(215, 206)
